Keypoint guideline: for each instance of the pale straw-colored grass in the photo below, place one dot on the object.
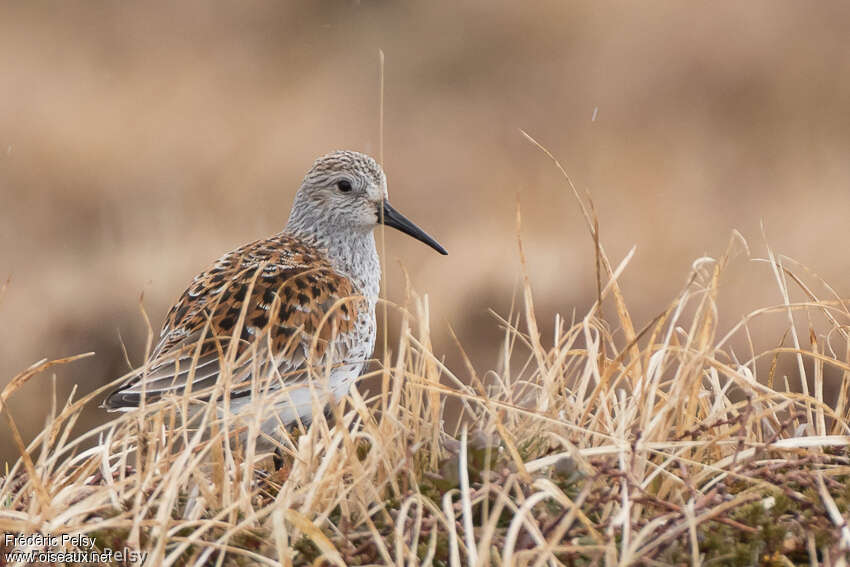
(608, 443)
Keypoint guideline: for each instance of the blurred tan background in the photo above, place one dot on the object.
(138, 142)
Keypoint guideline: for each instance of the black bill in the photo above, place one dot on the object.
(395, 219)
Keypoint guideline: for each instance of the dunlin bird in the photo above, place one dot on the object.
(301, 304)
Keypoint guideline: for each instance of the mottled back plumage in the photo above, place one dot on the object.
(288, 298)
(302, 299)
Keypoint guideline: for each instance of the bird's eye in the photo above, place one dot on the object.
(344, 185)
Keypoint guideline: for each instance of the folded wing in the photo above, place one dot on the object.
(274, 306)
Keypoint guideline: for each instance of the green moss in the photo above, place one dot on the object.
(730, 545)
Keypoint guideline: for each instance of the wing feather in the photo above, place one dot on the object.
(279, 303)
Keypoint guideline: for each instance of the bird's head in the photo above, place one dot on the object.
(347, 190)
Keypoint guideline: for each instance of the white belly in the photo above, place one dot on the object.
(300, 402)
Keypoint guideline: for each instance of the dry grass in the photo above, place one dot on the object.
(604, 444)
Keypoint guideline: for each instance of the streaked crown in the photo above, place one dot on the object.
(330, 166)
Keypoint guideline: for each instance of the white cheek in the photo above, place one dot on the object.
(368, 216)
(375, 194)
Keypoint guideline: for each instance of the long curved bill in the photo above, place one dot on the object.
(395, 219)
